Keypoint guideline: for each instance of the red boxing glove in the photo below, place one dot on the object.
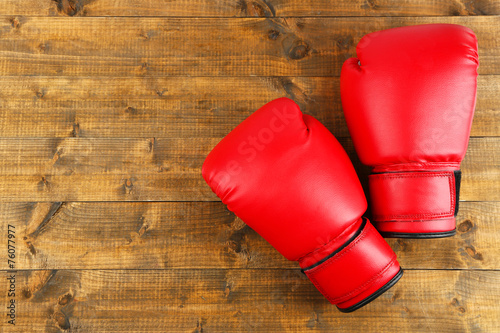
(408, 102)
(288, 178)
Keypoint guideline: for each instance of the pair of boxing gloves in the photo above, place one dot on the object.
(408, 101)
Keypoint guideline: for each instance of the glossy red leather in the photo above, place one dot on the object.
(286, 176)
(436, 191)
(370, 253)
(408, 101)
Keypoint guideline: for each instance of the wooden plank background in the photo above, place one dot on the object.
(107, 111)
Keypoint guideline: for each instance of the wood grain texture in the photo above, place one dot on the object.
(107, 111)
(152, 47)
(488, 178)
(218, 300)
(244, 8)
(180, 107)
(80, 169)
(120, 235)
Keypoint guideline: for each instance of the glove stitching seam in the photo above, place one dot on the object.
(343, 298)
(425, 174)
(334, 259)
(348, 249)
(450, 213)
(322, 247)
(413, 167)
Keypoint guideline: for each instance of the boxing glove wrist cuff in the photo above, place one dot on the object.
(354, 274)
(418, 204)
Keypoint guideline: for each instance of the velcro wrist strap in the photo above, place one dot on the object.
(410, 196)
(364, 262)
